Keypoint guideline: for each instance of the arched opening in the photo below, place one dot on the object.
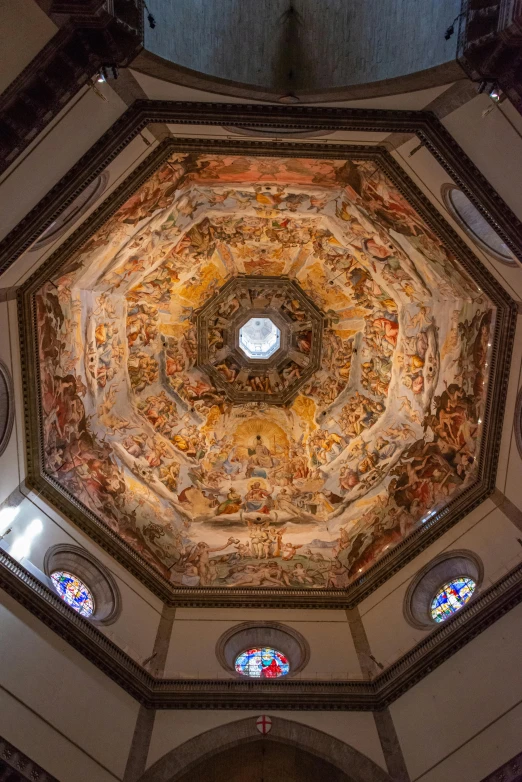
(238, 752)
(260, 761)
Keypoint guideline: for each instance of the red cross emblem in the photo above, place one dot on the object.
(264, 725)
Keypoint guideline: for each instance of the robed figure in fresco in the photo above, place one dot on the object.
(260, 459)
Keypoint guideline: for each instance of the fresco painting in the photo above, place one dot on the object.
(303, 495)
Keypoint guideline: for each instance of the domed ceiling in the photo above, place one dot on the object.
(263, 372)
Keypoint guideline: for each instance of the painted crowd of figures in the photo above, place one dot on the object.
(303, 496)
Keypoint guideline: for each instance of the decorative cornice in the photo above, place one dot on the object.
(509, 772)
(22, 766)
(425, 125)
(248, 635)
(350, 695)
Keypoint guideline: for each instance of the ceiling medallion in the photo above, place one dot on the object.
(259, 339)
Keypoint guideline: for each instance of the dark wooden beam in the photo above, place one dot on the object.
(90, 37)
(490, 45)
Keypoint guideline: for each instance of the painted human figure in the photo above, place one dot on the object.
(201, 559)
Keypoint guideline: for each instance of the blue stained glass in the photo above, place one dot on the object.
(451, 597)
(262, 663)
(74, 592)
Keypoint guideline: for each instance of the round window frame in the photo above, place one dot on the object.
(258, 635)
(244, 348)
(518, 422)
(7, 416)
(458, 563)
(446, 191)
(96, 577)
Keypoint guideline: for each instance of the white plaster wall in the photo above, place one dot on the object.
(35, 528)
(193, 641)
(493, 143)
(172, 728)
(24, 30)
(54, 151)
(464, 720)
(486, 531)
(72, 707)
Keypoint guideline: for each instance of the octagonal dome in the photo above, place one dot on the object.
(259, 338)
(362, 427)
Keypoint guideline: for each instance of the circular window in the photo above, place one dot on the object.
(518, 423)
(441, 588)
(451, 597)
(83, 583)
(259, 338)
(74, 592)
(262, 650)
(475, 225)
(263, 663)
(6, 406)
(75, 210)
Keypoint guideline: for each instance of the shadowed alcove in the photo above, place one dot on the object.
(264, 760)
(237, 752)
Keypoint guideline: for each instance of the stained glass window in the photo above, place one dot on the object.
(451, 597)
(74, 592)
(262, 663)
